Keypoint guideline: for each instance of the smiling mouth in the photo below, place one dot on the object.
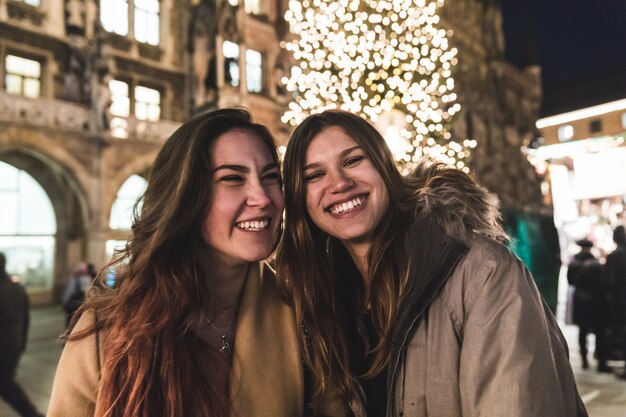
(347, 206)
(254, 226)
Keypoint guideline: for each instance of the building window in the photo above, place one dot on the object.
(147, 104)
(252, 6)
(23, 76)
(595, 126)
(122, 209)
(231, 63)
(35, 3)
(254, 71)
(115, 18)
(120, 99)
(27, 228)
(565, 132)
(147, 101)
(147, 21)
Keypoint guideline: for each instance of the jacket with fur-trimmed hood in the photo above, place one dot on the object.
(473, 336)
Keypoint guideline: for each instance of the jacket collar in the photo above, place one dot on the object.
(434, 255)
(266, 376)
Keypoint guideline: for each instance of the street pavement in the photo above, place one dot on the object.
(603, 394)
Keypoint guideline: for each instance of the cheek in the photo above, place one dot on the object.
(278, 199)
(220, 212)
(310, 199)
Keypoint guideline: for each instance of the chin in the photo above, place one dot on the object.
(259, 256)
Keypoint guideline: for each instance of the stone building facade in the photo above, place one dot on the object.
(500, 104)
(90, 89)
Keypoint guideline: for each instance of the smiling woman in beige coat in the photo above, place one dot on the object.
(408, 301)
(194, 325)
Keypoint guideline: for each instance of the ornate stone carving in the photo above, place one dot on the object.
(75, 16)
(203, 50)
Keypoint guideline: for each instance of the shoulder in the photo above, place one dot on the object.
(75, 387)
(618, 253)
(488, 269)
(15, 287)
(86, 320)
(486, 255)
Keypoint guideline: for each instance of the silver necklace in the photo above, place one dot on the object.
(227, 346)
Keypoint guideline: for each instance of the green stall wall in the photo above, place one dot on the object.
(535, 241)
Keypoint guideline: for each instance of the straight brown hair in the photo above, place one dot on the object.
(154, 364)
(315, 269)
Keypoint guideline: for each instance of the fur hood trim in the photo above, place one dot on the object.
(457, 202)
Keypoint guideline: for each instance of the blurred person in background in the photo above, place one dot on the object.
(76, 289)
(14, 321)
(615, 269)
(591, 311)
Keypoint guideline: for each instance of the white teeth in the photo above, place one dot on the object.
(349, 205)
(256, 225)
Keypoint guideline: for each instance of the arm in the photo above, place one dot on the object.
(514, 359)
(25, 320)
(573, 271)
(75, 387)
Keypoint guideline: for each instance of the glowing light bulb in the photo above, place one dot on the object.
(375, 58)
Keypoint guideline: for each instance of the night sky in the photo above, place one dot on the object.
(580, 45)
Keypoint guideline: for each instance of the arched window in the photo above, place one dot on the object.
(122, 211)
(27, 228)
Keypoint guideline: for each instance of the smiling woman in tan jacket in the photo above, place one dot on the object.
(193, 325)
(407, 299)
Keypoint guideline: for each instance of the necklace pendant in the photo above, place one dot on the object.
(226, 346)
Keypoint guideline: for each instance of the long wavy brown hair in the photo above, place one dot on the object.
(315, 269)
(154, 364)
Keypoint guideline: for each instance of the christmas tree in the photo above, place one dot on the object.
(388, 61)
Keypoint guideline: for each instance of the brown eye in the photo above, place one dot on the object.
(313, 176)
(232, 178)
(272, 176)
(354, 160)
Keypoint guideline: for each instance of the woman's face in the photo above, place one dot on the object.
(246, 204)
(346, 196)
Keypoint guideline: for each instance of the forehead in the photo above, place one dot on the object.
(328, 143)
(239, 146)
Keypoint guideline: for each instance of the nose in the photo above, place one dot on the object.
(341, 181)
(258, 196)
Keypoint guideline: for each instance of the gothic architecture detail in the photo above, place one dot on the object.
(499, 103)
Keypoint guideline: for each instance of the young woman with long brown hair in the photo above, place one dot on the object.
(408, 302)
(194, 325)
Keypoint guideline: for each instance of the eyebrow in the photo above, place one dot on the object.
(244, 169)
(342, 154)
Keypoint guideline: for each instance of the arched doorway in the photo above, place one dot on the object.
(28, 229)
(121, 218)
(60, 219)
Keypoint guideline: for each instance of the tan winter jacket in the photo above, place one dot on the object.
(473, 336)
(266, 378)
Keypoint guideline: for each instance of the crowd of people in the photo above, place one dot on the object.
(337, 287)
(599, 301)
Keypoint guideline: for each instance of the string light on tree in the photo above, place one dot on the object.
(379, 59)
